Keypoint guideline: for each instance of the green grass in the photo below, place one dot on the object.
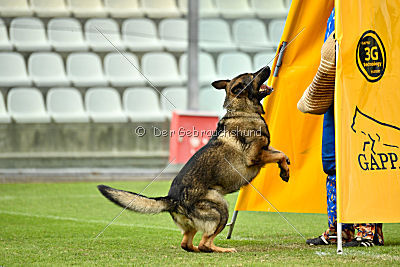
(54, 224)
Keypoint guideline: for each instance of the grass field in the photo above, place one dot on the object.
(55, 224)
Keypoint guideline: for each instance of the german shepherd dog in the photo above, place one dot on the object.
(230, 160)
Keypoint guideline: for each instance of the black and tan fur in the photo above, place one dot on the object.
(196, 197)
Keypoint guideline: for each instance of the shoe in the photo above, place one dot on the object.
(318, 241)
(359, 242)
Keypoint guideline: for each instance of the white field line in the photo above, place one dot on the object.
(46, 197)
(52, 217)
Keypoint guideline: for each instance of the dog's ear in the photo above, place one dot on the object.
(262, 75)
(221, 84)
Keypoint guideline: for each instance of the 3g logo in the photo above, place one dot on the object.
(371, 56)
(371, 51)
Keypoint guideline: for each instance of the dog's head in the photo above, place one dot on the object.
(244, 92)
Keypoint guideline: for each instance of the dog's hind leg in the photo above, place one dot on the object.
(207, 243)
(214, 216)
(187, 241)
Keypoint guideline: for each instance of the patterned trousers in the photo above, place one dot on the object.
(372, 231)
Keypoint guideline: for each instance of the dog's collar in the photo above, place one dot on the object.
(244, 114)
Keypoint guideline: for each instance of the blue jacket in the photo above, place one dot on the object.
(328, 134)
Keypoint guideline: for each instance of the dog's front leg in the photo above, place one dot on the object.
(271, 155)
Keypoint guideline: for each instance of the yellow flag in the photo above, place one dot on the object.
(367, 111)
(296, 134)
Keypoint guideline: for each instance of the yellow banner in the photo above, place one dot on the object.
(296, 134)
(367, 111)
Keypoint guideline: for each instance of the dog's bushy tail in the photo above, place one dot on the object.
(136, 202)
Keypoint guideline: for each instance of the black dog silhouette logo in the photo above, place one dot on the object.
(380, 147)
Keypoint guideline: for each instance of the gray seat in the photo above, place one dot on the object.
(87, 8)
(231, 64)
(103, 104)
(234, 9)
(15, 8)
(123, 8)
(207, 72)
(121, 70)
(250, 35)
(50, 8)
(263, 59)
(47, 69)
(173, 98)
(85, 69)
(65, 34)
(103, 35)
(211, 99)
(160, 8)
(269, 9)
(142, 105)
(173, 34)
(161, 69)
(26, 105)
(28, 34)
(215, 35)
(65, 105)
(141, 35)
(275, 29)
(13, 70)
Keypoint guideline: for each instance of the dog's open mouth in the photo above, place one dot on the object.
(264, 91)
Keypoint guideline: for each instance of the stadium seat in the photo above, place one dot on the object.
(211, 99)
(142, 105)
(66, 35)
(84, 69)
(13, 70)
(47, 69)
(262, 59)
(123, 8)
(174, 34)
(206, 8)
(275, 29)
(161, 69)
(160, 8)
(250, 35)
(104, 105)
(26, 105)
(207, 73)
(234, 9)
(28, 34)
(65, 105)
(231, 64)
(121, 70)
(173, 98)
(215, 36)
(268, 9)
(4, 116)
(4, 41)
(87, 8)
(49, 8)
(14, 8)
(96, 28)
(140, 35)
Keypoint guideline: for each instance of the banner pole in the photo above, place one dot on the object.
(232, 224)
(339, 250)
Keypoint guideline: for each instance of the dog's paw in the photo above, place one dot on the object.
(284, 174)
